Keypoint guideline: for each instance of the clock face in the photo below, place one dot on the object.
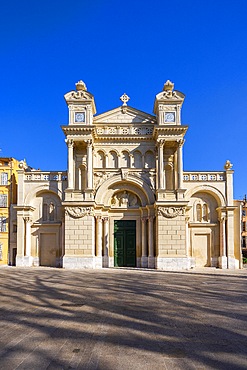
(80, 117)
(170, 117)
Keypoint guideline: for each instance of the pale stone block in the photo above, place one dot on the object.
(87, 223)
(144, 261)
(78, 262)
(172, 232)
(177, 237)
(70, 232)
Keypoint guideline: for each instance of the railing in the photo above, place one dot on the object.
(125, 130)
(203, 176)
(46, 176)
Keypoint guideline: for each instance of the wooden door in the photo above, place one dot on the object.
(48, 249)
(124, 243)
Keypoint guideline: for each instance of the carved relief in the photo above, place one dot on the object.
(171, 212)
(167, 95)
(125, 199)
(78, 212)
(100, 177)
(148, 177)
(77, 95)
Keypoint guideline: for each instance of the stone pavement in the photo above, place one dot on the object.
(124, 319)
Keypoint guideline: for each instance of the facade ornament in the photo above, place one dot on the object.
(180, 142)
(169, 92)
(78, 212)
(228, 165)
(124, 199)
(27, 219)
(69, 142)
(23, 165)
(101, 177)
(125, 98)
(171, 212)
(168, 86)
(77, 95)
(81, 86)
(124, 174)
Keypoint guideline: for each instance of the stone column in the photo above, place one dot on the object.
(89, 164)
(28, 236)
(28, 259)
(161, 164)
(151, 241)
(144, 258)
(99, 236)
(180, 163)
(222, 258)
(230, 254)
(106, 242)
(20, 239)
(98, 251)
(70, 144)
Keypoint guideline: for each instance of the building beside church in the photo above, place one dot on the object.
(8, 197)
(125, 199)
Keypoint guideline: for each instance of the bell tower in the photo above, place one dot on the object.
(79, 140)
(169, 136)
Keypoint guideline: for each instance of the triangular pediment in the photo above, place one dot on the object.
(124, 114)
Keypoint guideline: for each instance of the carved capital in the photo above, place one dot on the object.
(69, 142)
(27, 219)
(180, 142)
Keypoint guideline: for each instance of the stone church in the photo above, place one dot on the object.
(126, 200)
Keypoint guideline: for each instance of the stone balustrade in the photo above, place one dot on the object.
(203, 176)
(125, 130)
(46, 176)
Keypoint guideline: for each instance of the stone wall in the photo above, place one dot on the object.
(79, 242)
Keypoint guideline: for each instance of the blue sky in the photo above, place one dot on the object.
(125, 46)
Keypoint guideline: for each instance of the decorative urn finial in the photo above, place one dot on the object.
(168, 86)
(80, 85)
(228, 165)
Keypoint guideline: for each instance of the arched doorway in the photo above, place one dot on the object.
(125, 218)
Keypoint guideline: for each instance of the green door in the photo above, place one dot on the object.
(124, 243)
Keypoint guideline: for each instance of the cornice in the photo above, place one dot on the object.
(77, 129)
(169, 130)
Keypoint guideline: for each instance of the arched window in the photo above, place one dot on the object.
(113, 162)
(137, 159)
(149, 160)
(101, 160)
(125, 159)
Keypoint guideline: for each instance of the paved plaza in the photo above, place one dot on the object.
(124, 319)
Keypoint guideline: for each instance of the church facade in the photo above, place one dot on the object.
(125, 200)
